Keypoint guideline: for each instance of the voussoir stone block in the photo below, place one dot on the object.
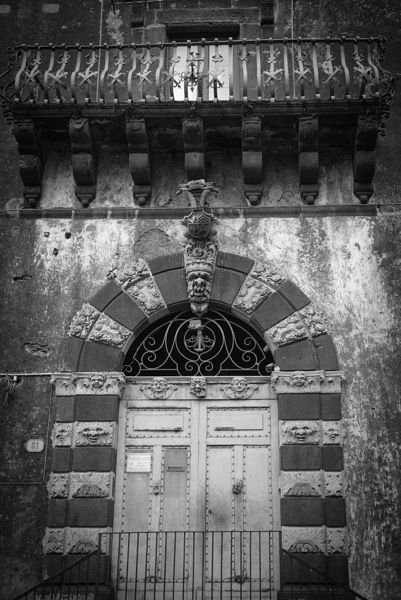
(326, 353)
(302, 511)
(99, 357)
(300, 458)
(234, 262)
(298, 406)
(72, 348)
(274, 309)
(105, 295)
(172, 286)
(166, 263)
(125, 311)
(226, 285)
(293, 294)
(299, 356)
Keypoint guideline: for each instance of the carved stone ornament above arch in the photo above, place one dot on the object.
(294, 329)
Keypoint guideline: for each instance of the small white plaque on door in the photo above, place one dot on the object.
(139, 463)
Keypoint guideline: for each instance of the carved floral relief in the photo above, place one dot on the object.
(94, 433)
(331, 432)
(268, 274)
(90, 485)
(83, 321)
(290, 329)
(239, 388)
(333, 483)
(337, 542)
(314, 320)
(109, 332)
(304, 539)
(139, 283)
(251, 295)
(301, 483)
(62, 434)
(300, 432)
(159, 389)
(198, 387)
(82, 540)
(57, 485)
(53, 542)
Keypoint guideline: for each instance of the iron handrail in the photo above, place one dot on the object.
(57, 575)
(270, 70)
(344, 586)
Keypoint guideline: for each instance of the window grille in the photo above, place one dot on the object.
(218, 344)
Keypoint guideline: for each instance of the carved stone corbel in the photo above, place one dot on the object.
(84, 160)
(367, 130)
(194, 148)
(252, 158)
(308, 150)
(31, 161)
(139, 159)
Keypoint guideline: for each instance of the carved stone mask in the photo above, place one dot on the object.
(239, 384)
(159, 384)
(299, 379)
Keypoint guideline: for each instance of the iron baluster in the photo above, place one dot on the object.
(158, 73)
(346, 70)
(286, 70)
(103, 74)
(47, 73)
(131, 74)
(315, 70)
(258, 70)
(74, 74)
(230, 69)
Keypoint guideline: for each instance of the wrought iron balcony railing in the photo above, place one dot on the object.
(272, 71)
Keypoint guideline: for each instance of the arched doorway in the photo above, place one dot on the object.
(197, 500)
(305, 389)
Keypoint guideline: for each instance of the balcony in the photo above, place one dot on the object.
(308, 83)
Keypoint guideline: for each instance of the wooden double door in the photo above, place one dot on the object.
(196, 495)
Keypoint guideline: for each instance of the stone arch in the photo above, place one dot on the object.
(105, 327)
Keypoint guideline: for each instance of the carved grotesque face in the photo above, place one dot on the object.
(199, 284)
(198, 386)
(97, 381)
(92, 435)
(63, 435)
(333, 434)
(239, 384)
(301, 433)
(159, 384)
(299, 379)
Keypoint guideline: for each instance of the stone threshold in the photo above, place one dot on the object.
(249, 212)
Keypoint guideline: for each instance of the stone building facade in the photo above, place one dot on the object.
(243, 179)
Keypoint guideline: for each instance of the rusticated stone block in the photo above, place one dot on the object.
(90, 512)
(56, 514)
(126, 311)
(105, 295)
(293, 294)
(326, 353)
(298, 406)
(334, 512)
(330, 406)
(93, 459)
(337, 567)
(173, 287)
(296, 357)
(234, 261)
(294, 572)
(274, 309)
(226, 285)
(300, 458)
(61, 459)
(166, 263)
(332, 458)
(302, 511)
(64, 408)
(96, 408)
(99, 357)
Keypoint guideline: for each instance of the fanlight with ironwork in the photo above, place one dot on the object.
(218, 344)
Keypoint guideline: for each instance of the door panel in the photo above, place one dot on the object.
(198, 476)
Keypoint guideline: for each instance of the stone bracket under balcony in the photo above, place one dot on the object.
(318, 88)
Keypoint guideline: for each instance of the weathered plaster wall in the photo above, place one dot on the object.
(344, 264)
